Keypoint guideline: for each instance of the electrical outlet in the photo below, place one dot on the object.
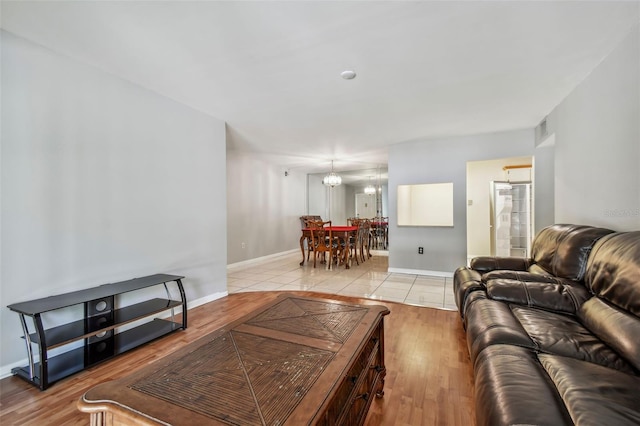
(420, 250)
(244, 245)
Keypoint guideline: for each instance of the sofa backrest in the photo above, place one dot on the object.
(563, 250)
(617, 328)
(613, 271)
(613, 276)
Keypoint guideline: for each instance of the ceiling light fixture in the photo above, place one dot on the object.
(332, 179)
(370, 189)
(348, 74)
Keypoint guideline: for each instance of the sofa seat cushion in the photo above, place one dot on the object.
(512, 388)
(565, 335)
(548, 295)
(593, 394)
(490, 323)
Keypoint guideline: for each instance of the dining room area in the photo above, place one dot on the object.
(347, 216)
(360, 193)
(342, 248)
(341, 244)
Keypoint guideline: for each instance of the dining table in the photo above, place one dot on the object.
(343, 232)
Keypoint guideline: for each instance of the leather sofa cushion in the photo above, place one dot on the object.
(522, 276)
(484, 264)
(593, 394)
(473, 296)
(548, 295)
(614, 271)
(564, 335)
(618, 329)
(563, 250)
(490, 323)
(512, 388)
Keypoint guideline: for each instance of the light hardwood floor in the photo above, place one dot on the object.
(429, 375)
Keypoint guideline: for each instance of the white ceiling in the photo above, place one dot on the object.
(271, 69)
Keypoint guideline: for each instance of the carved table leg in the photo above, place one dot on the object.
(380, 389)
(302, 238)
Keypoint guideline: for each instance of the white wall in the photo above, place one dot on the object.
(101, 181)
(263, 207)
(335, 204)
(437, 161)
(543, 186)
(350, 192)
(317, 204)
(597, 144)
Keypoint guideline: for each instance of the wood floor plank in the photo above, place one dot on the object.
(429, 375)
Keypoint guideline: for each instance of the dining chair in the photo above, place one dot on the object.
(311, 222)
(356, 241)
(379, 233)
(362, 239)
(307, 218)
(323, 242)
(353, 221)
(386, 232)
(365, 252)
(383, 232)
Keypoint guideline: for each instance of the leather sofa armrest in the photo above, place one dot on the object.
(484, 264)
(465, 281)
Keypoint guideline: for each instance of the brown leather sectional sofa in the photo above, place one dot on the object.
(555, 339)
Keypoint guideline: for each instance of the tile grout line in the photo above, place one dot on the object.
(367, 274)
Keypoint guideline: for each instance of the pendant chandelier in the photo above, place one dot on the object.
(369, 189)
(332, 179)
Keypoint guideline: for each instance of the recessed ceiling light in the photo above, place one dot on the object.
(348, 74)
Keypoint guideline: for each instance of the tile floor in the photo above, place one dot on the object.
(368, 280)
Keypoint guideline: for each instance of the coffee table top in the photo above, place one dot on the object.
(277, 364)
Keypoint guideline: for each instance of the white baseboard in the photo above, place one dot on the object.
(5, 370)
(206, 299)
(261, 259)
(420, 272)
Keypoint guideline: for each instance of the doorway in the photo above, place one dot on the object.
(511, 219)
(480, 176)
(366, 205)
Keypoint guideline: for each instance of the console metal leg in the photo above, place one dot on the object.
(27, 339)
(183, 297)
(166, 289)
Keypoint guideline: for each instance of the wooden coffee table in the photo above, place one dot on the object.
(294, 361)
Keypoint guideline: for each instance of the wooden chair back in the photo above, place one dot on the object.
(354, 221)
(365, 252)
(322, 241)
(305, 219)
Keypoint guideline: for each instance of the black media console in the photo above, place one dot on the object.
(94, 337)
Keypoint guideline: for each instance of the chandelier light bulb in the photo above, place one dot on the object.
(332, 179)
